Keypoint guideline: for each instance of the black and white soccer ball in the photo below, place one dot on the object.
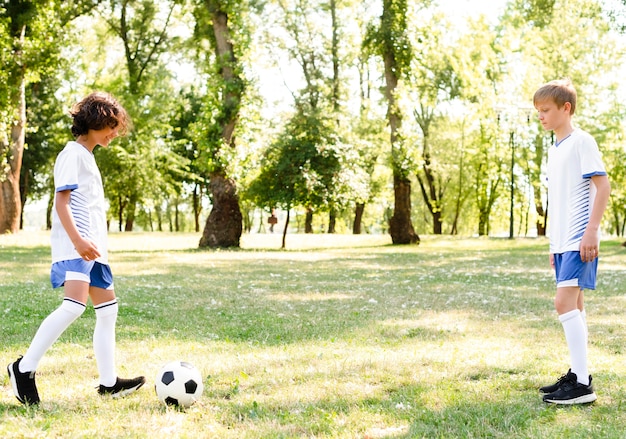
(179, 383)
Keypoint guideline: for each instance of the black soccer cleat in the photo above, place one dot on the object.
(23, 384)
(571, 392)
(122, 387)
(554, 387)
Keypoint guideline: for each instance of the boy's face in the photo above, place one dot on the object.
(551, 116)
(104, 136)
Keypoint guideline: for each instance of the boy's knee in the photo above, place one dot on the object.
(73, 307)
(107, 309)
(564, 303)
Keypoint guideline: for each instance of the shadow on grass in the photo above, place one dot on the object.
(264, 300)
(421, 411)
(276, 298)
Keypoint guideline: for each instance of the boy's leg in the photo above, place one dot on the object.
(22, 371)
(106, 308)
(56, 323)
(566, 304)
(583, 312)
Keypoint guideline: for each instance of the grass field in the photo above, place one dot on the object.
(337, 337)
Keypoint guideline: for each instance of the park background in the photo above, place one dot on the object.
(395, 117)
(416, 114)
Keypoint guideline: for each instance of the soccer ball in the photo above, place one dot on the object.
(179, 383)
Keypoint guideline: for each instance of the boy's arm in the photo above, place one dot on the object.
(589, 246)
(85, 248)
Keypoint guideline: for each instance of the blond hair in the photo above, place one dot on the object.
(558, 91)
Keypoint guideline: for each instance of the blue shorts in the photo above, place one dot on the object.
(571, 271)
(94, 273)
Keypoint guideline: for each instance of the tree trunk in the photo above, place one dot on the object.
(437, 223)
(11, 153)
(223, 227)
(542, 219)
(49, 212)
(308, 221)
(400, 225)
(159, 215)
(120, 212)
(196, 208)
(285, 229)
(332, 221)
(358, 218)
(131, 208)
(483, 221)
(176, 216)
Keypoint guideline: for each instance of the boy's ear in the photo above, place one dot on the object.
(567, 106)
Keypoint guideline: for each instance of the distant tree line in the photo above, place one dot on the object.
(379, 115)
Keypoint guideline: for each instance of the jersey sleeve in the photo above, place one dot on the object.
(66, 172)
(591, 159)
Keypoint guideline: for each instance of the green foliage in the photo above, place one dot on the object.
(142, 26)
(537, 13)
(452, 75)
(29, 49)
(390, 37)
(303, 167)
(146, 168)
(226, 82)
(47, 135)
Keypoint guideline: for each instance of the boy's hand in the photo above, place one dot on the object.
(87, 249)
(589, 246)
(552, 260)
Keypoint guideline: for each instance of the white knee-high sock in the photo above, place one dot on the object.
(583, 315)
(49, 331)
(104, 341)
(576, 337)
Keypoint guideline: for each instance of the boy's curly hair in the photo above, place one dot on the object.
(97, 111)
(558, 91)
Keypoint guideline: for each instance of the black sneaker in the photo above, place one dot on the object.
(23, 384)
(571, 392)
(554, 387)
(122, 387)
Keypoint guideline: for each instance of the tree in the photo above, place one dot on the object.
(23, 32)
(434, 79)
(390, 41)
(46, 135)
(141, 26)
(215, 20)
(189, 104)
(488, 164)
(31, 36)
(302, 168)
(308, 45)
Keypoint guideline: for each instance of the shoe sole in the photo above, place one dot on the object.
(124, 392)
(584, 399)
(14, 383)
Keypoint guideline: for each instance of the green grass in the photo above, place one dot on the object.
(337, 337)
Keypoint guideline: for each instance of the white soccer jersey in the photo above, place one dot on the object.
(571, 193)
(75, 169)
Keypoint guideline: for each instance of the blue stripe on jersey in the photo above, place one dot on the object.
(67, 187)
(80, 213)
(580, 212)
(593, 174)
